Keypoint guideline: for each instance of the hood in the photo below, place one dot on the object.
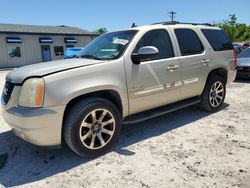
(243, 62)
(17, 76)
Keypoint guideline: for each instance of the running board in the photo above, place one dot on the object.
(142, 116)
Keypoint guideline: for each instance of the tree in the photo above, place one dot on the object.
(101, 30)
(232, 22)
(237, 32)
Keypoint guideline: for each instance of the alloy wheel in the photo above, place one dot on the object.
(97, 128)
(216, 94)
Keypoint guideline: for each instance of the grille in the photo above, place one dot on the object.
(7, 91)
(243, 68)
(247, 69)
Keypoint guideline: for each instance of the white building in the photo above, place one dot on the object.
(27, 44)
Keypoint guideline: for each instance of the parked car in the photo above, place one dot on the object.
(243, 44)
(243, 64)
(122, 77)
(72, 52)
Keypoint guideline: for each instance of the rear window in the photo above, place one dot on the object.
(189, 42)
(245, 53)
(218, 39)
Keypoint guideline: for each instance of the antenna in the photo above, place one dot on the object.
(133, 25)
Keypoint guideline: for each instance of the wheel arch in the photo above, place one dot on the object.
(221, 72)
(111, 95)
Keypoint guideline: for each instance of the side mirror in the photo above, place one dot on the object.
(144, 54)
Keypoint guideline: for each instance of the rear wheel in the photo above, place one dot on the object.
(213, 95)
(91, 127)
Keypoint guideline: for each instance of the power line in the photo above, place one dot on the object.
(172, 15)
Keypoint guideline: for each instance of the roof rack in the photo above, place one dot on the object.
(175, 22)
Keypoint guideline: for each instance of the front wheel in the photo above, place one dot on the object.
(213, 96)
(91, 127)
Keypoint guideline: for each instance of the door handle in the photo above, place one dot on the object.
(205, 61)
(172, 67)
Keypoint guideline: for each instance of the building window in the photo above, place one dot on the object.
(14, 51)
(70, 40)
(45, 40)
(58, 50)
(13, 40)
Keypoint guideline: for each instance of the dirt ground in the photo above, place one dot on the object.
(187, 148)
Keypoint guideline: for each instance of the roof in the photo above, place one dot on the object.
(35, 29)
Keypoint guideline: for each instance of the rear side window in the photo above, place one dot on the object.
(189, 42)
(160, 39)
(218, 39)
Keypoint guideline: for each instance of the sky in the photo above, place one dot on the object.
(117, 14)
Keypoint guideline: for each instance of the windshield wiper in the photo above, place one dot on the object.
(90, 57)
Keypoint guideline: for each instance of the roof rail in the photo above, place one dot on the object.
(175, 23)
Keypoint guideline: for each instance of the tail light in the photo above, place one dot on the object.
(235, 59)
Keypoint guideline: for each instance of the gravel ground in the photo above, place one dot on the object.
(187, 148)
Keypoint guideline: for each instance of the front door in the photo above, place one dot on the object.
(155, 82)
(46, 54)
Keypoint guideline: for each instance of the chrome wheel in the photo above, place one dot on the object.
(97, 128)
(216, 94)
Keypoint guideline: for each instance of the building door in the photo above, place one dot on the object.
(46, 54)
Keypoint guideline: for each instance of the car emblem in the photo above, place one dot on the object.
(5, 90)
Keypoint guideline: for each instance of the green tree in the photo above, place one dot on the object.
(101, 30)
(232, 22)
(237, 32)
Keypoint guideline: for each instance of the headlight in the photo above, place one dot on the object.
(32, 92)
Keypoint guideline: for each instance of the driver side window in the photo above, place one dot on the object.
(160, 39)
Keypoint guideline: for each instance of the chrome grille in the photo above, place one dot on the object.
(243, 68)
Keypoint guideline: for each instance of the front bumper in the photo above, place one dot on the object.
(39, 126)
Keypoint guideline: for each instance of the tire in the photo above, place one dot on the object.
(213, 95)
(91, 127)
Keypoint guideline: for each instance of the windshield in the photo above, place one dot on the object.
(108, 46)
(245, 53)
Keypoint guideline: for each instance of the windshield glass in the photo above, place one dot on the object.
(245, 53)
(108, 46)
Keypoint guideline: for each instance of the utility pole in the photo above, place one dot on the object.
(172, 15)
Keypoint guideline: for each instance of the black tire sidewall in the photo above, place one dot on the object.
(205, 102)
(75, 140)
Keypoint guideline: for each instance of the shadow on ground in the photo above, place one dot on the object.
(27, 163)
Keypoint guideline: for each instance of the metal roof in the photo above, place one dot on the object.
(48, 30)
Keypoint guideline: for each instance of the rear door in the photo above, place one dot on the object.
(194, 61)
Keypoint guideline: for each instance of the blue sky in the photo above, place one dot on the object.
(117, 14)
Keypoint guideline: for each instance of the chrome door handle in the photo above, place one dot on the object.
(205, 61)
(172, 67)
